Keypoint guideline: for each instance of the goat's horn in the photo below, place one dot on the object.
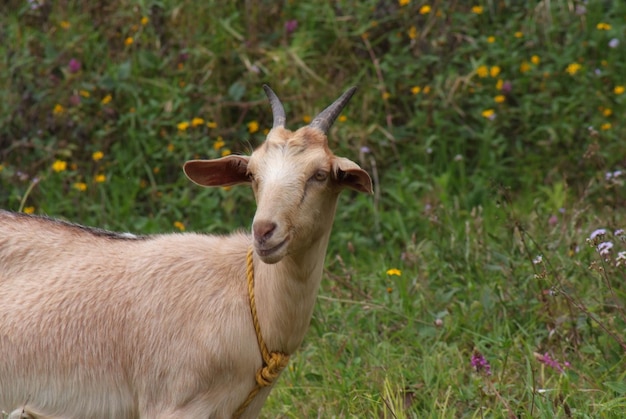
(277, 108)
(327, 117)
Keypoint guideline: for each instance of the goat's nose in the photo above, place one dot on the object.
(263, 230)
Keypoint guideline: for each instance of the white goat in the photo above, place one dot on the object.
(96, 324)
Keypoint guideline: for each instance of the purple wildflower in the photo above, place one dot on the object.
(507, 86)
(75, 100)
(291, 26)
(620, 259)
(551, 362)
(604, 248)
(480, 364)
(614, 43)
(74, 66)
(597, 233)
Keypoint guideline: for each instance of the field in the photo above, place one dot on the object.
(485, 277)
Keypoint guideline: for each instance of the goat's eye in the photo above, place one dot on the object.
(320, 175)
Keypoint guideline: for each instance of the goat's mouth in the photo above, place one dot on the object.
(272, 254)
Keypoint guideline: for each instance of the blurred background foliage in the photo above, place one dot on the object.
(455, 99)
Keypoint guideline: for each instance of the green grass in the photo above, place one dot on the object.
(464, 204)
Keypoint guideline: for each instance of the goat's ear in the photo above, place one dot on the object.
(229, 170)
(350, 175)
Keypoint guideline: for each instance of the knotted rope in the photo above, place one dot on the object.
(273, 362)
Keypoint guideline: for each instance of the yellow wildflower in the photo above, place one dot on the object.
(145, 20)
(170, 147)
(425, 9)
(524, 67)
(179, 225)
(225, 152)
(499, 99)
(81, 186)
(477, 9)
(394, 271)
(603, 26)
(488, 113)
(97, 155)
(101, 178)
(195, 122)
(58, 109)
(535, 59)
(426, 90)
(412, 32)
(342, 118)
(84, 93)
(129, 41)
(107, 99)
(403, 2)
(491, 39)
(59, 166)
(607, 111)
(389, 290)
(606, 126)
(386, 95)
(482, 71)
(65, 24)
(618, 90)
(219, 143)
(253, 126)
(494, 71)
(499, 84)
(573, 68)
(416, 89)
(182, 126)
(29, 210)
(211, 124)
(306, 119)
(518, 34)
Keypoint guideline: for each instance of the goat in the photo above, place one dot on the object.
(95, 324)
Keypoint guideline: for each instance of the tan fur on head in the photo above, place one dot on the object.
(96, 324)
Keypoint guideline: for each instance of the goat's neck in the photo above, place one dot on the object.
(286, 294)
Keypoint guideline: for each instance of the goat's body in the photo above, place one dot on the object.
(120, 345)
(96, 324)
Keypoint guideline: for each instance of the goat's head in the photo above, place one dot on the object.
(295, 177)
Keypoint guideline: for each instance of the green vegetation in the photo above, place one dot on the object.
(469, 285)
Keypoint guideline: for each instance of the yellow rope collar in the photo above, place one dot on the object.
(273, 362)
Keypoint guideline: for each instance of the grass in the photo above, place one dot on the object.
(493, 132)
